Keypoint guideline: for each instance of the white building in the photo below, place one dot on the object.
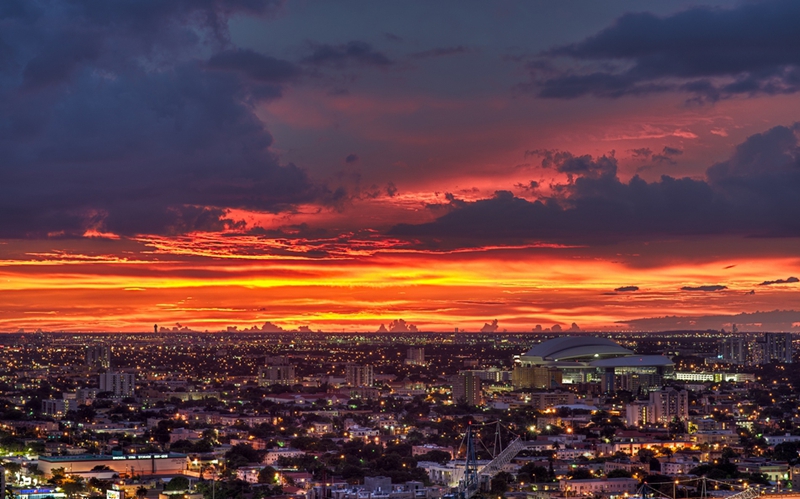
(120, 384)
(607, 487)
(273, 455)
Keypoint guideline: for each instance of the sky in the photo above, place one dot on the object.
(525, 166)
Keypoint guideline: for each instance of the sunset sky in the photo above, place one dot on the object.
(335, 166)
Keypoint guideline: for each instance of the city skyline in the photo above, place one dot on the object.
(623, 166)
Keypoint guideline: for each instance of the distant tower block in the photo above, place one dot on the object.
(155, 328)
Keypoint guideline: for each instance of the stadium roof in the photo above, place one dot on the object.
(577, 347)
(634, 361)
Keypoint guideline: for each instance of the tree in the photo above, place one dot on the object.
(141, 492)
(500, 482)
(73, 486)
(620, 473)
(268, 475)
(178, 483)
(580, 474)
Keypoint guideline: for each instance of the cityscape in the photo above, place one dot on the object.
(383, 416)
(352, 249)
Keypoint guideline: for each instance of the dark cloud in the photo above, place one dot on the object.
(354, 52)
(441, 52)
(627, 289)
(789, 280)
(351, 158)
(707, 288)
(113, 121)
(667, 155)
(530, 186)
(751, 194)
(713, 53)
(641, 153)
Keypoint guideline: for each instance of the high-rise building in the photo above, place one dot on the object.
(536, 377)
(98, 357)
(733, 350)
(467, 388)
(356, 375)
(415, 356)
(120, 384)
(277, 375)
(777, 347)
(668, 404)
(637, 413)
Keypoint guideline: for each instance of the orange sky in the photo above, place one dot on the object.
(207, 282)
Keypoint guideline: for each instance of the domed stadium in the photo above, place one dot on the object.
(589, 359)
(575, 348)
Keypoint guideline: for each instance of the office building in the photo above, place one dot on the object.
(530, 376)
(668, 404)
(733, 350)
(120, 384)
(415, 356)
(356, 375)
(467, 389)
(277, 371)
(776, 347)
(98, 357)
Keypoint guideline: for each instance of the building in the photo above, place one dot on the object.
(467, 389)
(582, 359)
(715, 377)
(356, 375)
(733, 350)
(277, 371)
(98, 357)
(547, 400)
(531, 376)
(637, 413)
(668, 404)
(272, 456)
(415, 356)
(167, 463)
(603, 487)
(120, 384)
(55, 408)
(776, 347)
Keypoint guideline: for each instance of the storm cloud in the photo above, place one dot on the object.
(135, 117)
(751, 194)
(712, 53)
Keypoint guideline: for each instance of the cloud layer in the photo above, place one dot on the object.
(712, 53)
(751, 194)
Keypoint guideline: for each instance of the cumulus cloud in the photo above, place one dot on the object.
(705, 288)
(753, 193)
(116, 121)
(401, 326)
(712, 53)
(789, 280)
(626, 289)
(269, 327)
(490, 327)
